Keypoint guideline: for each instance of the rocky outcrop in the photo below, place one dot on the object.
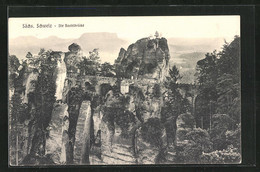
(61, 76)
(124, 108)
(146, 58)
(30, 85)
(147, 100)
(57, 126)
(121, 55)
(72, 58)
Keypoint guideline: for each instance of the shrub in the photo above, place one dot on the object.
(181, 133)
(200, 137)
(123, 120)
(221, 123)
(188, 121)
(229, 155)
(198, 141)
(233, 137)
(19, 110)
(184, 152)
(152, 131)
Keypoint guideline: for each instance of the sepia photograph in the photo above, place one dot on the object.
(124, 90)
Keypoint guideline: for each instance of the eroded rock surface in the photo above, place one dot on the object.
(146, 58)
(72, 58)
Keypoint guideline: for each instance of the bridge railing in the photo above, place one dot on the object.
(76, 76)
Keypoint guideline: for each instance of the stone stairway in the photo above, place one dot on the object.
(119, 154)
(170, 156)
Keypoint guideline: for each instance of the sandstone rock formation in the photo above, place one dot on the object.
(73, 58)
(144, 66)
(146, 58)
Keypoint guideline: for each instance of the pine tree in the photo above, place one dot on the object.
(173, 104)
(219, 92)
(207, 71)
(228, 85)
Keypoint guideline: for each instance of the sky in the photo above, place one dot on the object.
(131, 28)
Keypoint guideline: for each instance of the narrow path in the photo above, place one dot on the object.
(120, 154)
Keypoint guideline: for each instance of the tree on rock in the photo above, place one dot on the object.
(74, 47)
(107, 70)
(29, 55)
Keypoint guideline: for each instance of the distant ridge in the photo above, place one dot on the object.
(107, 43)
(184, 52)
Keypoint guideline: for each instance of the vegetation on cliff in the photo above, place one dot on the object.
(217, 109)
(200, 125)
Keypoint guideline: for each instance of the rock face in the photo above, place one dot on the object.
(144, 66)
(54, 142)
(146, 58)
(61, 76)
(73, 58)
(146, 99)
(30, 85)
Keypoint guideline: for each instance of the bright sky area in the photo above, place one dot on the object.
(131, 28)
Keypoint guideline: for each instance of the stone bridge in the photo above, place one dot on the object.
(98, 81)
(189, 91)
